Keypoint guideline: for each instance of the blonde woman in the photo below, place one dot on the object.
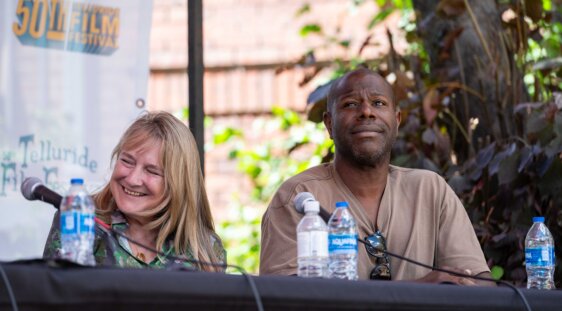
(156, 196)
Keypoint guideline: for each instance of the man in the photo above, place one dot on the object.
(416, 211)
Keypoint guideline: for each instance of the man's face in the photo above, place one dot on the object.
(363, 121)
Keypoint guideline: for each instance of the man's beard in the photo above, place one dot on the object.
(362, 158)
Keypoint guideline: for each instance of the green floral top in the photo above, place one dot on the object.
(115, 250)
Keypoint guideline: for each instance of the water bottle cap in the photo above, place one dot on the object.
(311, 206)
(538, 219)
(342, 204)
(77, 181)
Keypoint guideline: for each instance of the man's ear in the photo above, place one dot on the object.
(398, 118)
(327, 117)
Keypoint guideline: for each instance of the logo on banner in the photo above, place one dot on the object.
(44, 153)
(67, 25)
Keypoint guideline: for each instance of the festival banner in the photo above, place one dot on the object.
(73, 76)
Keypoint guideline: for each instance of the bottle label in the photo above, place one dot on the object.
(87, 223)
(342, 243)
(312, 244)
(68, 222)
(539, 256)
(74, 222)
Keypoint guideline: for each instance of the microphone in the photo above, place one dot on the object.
(32, 188)
(302, 197)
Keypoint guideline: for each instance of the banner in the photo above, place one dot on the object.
(73, 76)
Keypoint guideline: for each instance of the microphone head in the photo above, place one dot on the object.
(300, 199)
(28, 185)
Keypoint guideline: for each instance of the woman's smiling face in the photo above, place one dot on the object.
(137, 182)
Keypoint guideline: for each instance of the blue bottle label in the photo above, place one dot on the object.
(539, 256)
(87, 223)
(68, 222)
(74, 222)
(342, 243)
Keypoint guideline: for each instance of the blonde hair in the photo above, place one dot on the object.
(184, 214)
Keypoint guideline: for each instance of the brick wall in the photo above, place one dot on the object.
(245, 41)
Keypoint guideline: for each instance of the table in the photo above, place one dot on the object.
(38, 286)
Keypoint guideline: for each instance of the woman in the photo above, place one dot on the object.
(156, 196)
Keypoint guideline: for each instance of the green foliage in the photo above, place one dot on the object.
(298, 145)
(542, 61)
(241, 238)
(303, 10)
(222, 135)
(309, 29)
(271, 163)
(382, 15)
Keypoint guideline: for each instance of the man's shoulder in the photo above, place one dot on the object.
(415, 175)
(420, 180)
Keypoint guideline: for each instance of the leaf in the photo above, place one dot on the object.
(429, 137)
(310, 28)
(546, 134)
(427, 164)
(554, 147)
(547, 64)
(448, 43)
(344, 43)
(558, 103)
(526, 156)
(558, 121)
(485, 155)
(450, 8)
(379, 17)
(494, 166)
(499, 237)
(459, 184)
(475, 175)
(430, 101)
(523, 108)
(508, 169)
(225, 135)
(535, 123)
(543, 165)
(443, 142)
(402, 160)
(551, 183)
(303, 9)
(233, 154)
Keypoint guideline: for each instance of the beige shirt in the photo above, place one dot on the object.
(419, 214)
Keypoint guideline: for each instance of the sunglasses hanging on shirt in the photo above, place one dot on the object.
(375, 245)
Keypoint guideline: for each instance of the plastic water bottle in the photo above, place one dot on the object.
(342, 243)
(539, 256)
(77, 215)
(312, 243)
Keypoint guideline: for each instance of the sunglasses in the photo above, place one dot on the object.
(376, 247)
